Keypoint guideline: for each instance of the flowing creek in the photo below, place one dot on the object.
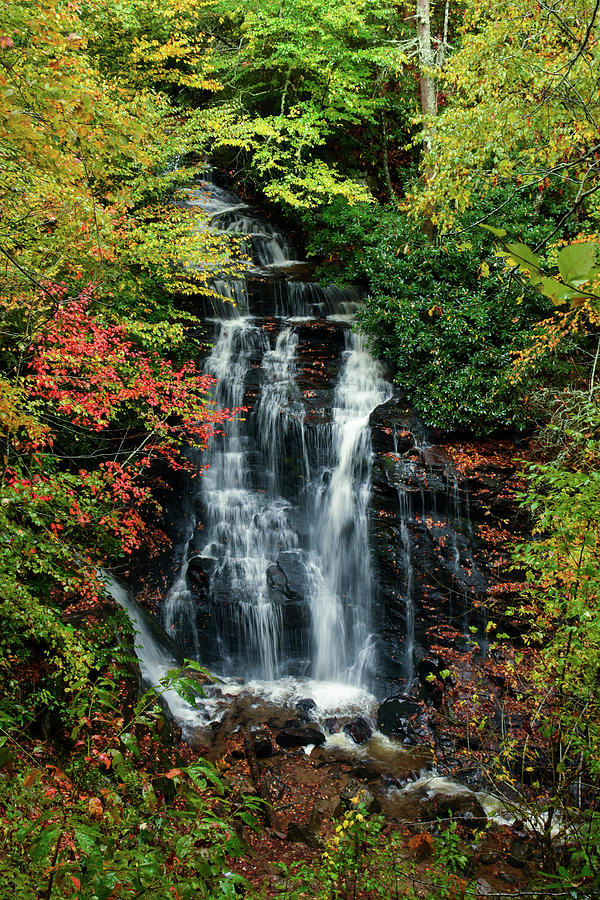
(325, 523)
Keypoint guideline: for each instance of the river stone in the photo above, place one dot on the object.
(291, 564)
(359, 730)
(262, 742)
(355, 794)
(303, 834)
(306, 704)
(394, 712)
(460, 804)
(332, 724)
(300, 737)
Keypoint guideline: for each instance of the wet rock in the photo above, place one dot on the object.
(356, 794)
(393, 714)
(399, 805)
(332, 724)
(276, 596)
(276, 579)
(161, 637)
(387, 434)
(201, 566)
(200, 677)
(289, 738)
(390, 782)
(199, 578)
(275, 785)
(365, 773)
(359, 730)
(461, 804)
(290, 562)
(306, 704)
(320, 811)
(303, 834)
(262, 742)
(429, 675)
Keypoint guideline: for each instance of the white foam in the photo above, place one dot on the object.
(330, 697)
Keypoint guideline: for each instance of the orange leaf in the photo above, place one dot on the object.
(31, 779)
(95, 808)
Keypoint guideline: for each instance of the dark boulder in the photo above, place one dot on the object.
(359, 730)
(261, 741)
(276, 579)
(290, 562)
(289, 738)
(320, 811)
(199, 575)
(306, 704)
(355, 794)
(387, 435)
(287, 578)
(461, 805)
(303, 834)
(393, 714)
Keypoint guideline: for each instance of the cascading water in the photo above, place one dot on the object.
(283, 505)
(277, 591)
(341, 581)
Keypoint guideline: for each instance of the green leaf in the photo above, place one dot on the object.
(576, 263)
(498, 232)
(130, 742)
(87, 839)
(525, 259)
(184, 845)
(45, 842)
(556, 291)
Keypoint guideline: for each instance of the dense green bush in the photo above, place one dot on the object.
(443, 312)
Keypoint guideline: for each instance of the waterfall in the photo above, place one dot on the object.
(244, 529)
(279, 522)
(155, 660)
(341, 579)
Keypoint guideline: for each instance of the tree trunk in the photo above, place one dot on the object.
(427, 87)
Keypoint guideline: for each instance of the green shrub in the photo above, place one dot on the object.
(444, 313)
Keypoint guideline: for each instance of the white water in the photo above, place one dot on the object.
(340, 572)
(156, 663)
(279, 493)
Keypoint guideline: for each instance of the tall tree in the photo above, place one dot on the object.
(522, 107)
(427, 87)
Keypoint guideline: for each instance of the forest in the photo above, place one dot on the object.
(300, 468)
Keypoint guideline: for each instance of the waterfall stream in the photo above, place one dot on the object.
(311, 566)
(280, 532)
